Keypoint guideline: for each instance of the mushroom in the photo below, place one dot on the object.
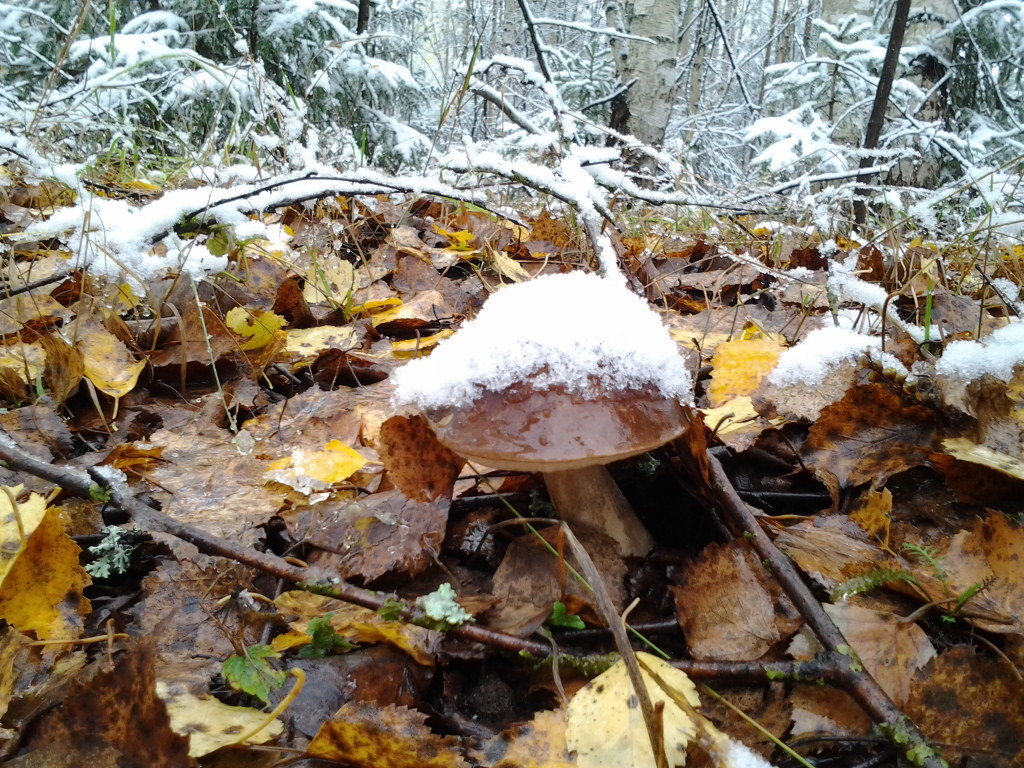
(560, 375)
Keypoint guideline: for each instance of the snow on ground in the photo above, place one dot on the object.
(556, 330)
(995, 355)
(823, 351)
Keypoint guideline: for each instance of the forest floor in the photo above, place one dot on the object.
(223, 547)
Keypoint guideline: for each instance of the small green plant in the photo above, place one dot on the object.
(99, 493)
(251, 672)
(561, 618)
(112, 555)
(870, 580)
(930, 557)
(324, 640)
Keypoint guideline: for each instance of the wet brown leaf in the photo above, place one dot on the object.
(726, 606)
(114, 719)
(874, 432)
(965, 699)
(380, 534)
(540, 743)
(415, 460)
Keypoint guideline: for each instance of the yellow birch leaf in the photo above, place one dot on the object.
(211, 724)
(41, 581)
(329, 281)
(374, 308)
(308, 342)
(108, 364)
(460, 240)
(259, 327)
(408, 348)
(606, 729)
(739, 366)
(355, 623)
(26, 361)
(316, 470)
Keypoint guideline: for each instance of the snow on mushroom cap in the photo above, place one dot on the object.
(568, 330)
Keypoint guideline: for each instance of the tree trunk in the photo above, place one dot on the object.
(877, 118)
(644, 110)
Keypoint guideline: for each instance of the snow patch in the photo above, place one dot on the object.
(997, 354)
(556, 330)
(824, 350)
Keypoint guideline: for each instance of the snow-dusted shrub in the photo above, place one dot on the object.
(281, 80)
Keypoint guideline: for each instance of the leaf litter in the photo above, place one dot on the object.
(883, 456)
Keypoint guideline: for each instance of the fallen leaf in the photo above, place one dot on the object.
(873, 514)
(107, 362)
(739, 365)
(365, 736)
(415, 460)
(966, 450)
(539, 743)
(311, 471)
(113, 718)
(379, 534)
(963, 699)
(874, 432)
(41, 582)
(258, 327)
(891, 650)
(606, 729)
(361, 625)
(726, 608)
(210, 724)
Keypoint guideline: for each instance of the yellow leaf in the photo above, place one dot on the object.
(310, 341)
(316, 470)
(108, 364)
(460, 240)
(126, 296)
(329, 281)
(739, 413)
(873, 514)
(407, 348)
(965, 450)
(374, 308)
(211, 724)
(360, 625)
(606, 729)
(739, 366)
(26, 361)
(41, 581)
(259, 327)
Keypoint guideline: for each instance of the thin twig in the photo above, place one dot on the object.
(854, 679)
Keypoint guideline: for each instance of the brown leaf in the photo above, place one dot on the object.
(725, 606)
(366, 736)
(891, 650)
(874, 432)
(115, 719)
(415, 460)
(380, 534)
(830, 549)
(967, 700)
(531, 579)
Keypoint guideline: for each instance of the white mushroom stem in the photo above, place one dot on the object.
(589, 497)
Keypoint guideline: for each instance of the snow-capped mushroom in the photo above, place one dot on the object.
(560, 375)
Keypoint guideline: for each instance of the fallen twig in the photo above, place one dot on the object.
(850, 675)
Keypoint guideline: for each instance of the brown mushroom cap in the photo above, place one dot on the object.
(548, 430)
